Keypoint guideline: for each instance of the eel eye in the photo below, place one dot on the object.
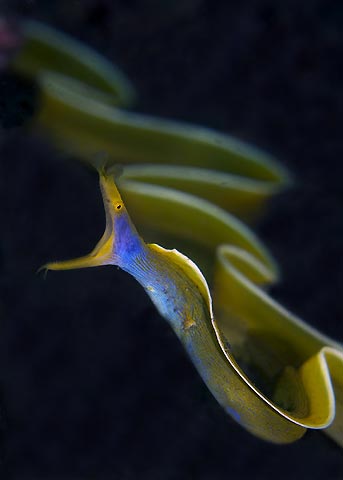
(118, 206)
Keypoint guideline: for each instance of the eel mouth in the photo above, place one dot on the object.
(102, 254)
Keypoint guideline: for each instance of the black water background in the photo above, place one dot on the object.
(93, 382)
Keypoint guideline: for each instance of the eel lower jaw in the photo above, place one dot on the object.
(101, 255)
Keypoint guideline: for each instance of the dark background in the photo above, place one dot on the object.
(93, 384)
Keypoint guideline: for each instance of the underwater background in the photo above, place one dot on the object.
(82, 396)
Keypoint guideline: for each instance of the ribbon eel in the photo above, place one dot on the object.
(180, 293)
(278, 376)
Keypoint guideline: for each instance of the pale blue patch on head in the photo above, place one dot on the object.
(128, 244)
(130, 253)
